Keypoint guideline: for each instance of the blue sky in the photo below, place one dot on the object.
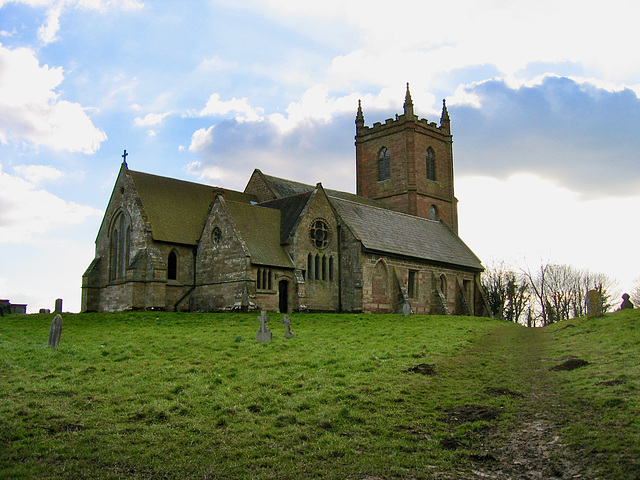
(543, 99)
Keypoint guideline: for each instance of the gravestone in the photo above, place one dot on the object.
(55, 331)
(406, 308)
(287, 327)
(264, 334)
(626, 303)
(45, 310)
(58, 305)
(594, 304)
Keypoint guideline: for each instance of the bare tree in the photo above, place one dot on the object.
(506, 292)
(560, 292)
(635, 293)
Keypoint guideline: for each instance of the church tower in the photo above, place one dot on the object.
(407, 164)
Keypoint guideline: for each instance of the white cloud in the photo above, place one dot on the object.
(527, 219)
(36, 174)
(243, 111)
(27, 213)
(201, 139)
(48, 32)
(151, 119)
(33, 111)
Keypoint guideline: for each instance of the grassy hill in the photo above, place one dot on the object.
(173, 395)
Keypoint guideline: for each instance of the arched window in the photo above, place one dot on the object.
(269, 280)
(443, 285)
(259, 279)
(265, 279)
(317, 268)
(310, 267)
(431, 164)
(119, 247)
(324, 267)
(172, 266)
(384, 165)
(331, 269)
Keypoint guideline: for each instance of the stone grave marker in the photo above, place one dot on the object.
(406, 308)
(55, 331)
(594, 304)
(287, 326)
(626, 303)
(58, 305)
(264, 334)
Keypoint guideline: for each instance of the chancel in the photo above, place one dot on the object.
(285, 246)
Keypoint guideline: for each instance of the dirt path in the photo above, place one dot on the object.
(534, 448)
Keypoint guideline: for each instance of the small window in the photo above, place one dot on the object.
(331, 269)
(317, 267)
(324, 267)
(412, 286)
(216, 236)
(259, 279)
(431, 164)
(433, 212)
(172, 266)
(443, 285)
(384, 165)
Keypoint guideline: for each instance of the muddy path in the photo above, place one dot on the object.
(529, 444)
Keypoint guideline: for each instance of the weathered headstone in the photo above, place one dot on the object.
(58, 305)
(594, 303)
(406, 308)
(626, 303)
(45, 310)
(264, 334)
(287, 327)
(55, 331)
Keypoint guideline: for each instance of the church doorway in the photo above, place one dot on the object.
(283, 289)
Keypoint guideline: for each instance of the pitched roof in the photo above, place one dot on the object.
(396, 233)
(259, 229)
(290, 208)
(178, 209)
(282, 187)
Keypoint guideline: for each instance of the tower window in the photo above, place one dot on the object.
(433, 212)
(384, 165)
(431, 164)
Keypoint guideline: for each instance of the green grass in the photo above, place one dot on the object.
(174, 395)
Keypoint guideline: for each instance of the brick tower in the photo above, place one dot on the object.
(407, 163)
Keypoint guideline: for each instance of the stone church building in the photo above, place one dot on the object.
(286, 246)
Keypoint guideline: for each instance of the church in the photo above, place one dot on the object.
(285, 246)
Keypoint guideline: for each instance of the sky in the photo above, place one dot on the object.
(543, 98)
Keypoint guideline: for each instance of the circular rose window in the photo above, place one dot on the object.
(320, 234)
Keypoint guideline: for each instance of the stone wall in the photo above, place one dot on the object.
(322, 289)
(407, 190)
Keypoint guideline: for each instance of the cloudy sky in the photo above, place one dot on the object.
(543, 97)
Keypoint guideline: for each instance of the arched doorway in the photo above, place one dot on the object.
(283, 291)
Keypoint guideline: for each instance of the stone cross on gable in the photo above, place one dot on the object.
(264, 334)
(124, 156)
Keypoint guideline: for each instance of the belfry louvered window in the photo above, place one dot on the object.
(384, 165)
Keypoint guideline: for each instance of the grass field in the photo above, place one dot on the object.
(174, 395)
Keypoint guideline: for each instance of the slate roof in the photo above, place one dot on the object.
(259, 228)
(282, 187)
(290, 208)
(178, 209)
(386, 231)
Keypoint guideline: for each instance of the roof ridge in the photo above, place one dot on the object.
(386, 209)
